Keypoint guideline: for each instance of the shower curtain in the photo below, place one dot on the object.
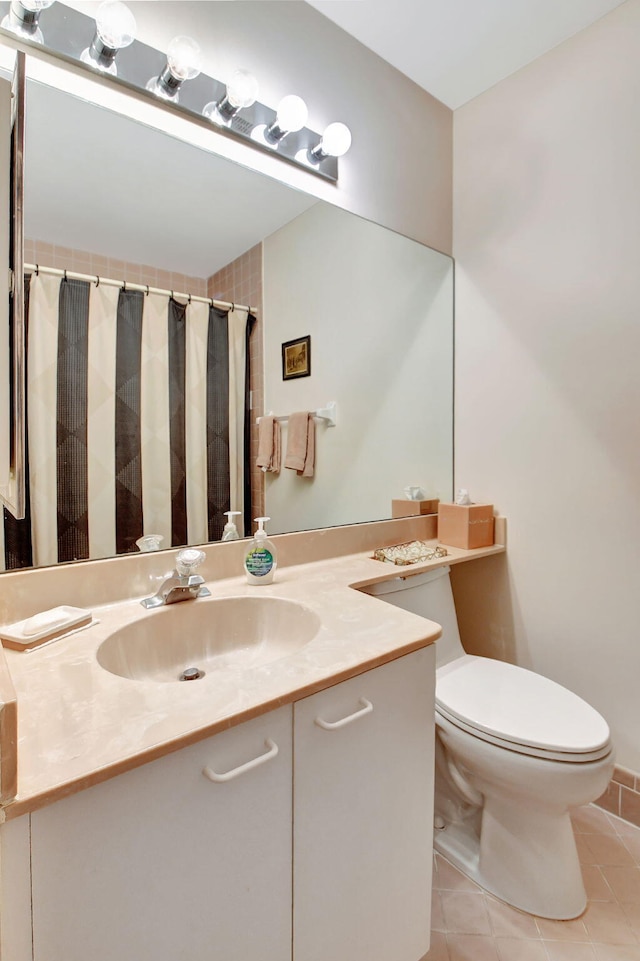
(137, 421)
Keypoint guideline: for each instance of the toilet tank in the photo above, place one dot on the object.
(428, 594)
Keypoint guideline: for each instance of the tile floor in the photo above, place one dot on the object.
(469, 925)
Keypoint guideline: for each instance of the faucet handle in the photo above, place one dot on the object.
(188, 561)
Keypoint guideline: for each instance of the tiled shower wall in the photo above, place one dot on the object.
(240, 282)
(83, 262)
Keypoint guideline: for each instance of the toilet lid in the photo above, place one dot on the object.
(517, 707)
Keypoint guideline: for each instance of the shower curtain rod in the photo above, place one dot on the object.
(145, 288)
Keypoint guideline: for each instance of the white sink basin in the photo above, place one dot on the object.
(212, 635)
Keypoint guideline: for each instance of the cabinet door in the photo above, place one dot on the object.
(15, 890)
(164, 864)
(363, 815)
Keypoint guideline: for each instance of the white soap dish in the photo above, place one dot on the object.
(44, 627)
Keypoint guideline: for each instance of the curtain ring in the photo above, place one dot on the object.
(172, 297)
(233, 307)
(37, 270)
(124, 285)
(97, 281)
(189, 299)
(65, 277)
(147, 293)
(211, 301)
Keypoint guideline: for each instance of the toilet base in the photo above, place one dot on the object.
(506, 862)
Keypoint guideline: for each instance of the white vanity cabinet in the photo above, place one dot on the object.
(363, 815)
(164, 864)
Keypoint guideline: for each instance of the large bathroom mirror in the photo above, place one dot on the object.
(109, 196)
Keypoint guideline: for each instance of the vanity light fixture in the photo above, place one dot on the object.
(115, 29)
(68, 33)
(242, 91)
(335, 142)
(23, 18)
(184, 62)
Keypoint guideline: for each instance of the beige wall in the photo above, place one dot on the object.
(547, 241)
(398, 171)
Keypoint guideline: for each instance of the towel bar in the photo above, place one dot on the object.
(328, 414)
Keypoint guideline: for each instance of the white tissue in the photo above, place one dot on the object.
(462, 497)
(414, 493)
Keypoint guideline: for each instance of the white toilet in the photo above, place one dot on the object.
(514, 752)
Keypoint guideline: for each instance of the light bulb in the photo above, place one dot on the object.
(35, 6)
(115, 29)
(184, 58)
(115, 24)
(23, 17)
(335, 142)
(292, 113)
(336, 139)
(242, 91)
(184, 62)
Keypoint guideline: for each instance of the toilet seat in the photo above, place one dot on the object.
(519, 710)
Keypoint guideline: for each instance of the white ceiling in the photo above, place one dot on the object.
(456, 49)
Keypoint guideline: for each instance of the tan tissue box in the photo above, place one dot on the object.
(401, 507)
(466, 525)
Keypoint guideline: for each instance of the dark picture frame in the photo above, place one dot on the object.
(296, 358)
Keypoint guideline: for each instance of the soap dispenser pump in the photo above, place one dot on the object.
(260, 562)
(230, 532)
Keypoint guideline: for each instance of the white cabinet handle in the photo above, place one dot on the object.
(237, 771)
(366, 708)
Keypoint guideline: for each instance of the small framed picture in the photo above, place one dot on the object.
(296, 358)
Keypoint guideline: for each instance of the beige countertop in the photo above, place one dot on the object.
(79, 724)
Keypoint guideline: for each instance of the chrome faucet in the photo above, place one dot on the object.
(183, 584)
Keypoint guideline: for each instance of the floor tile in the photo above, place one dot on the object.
(515, 949)
(596, 884)
(437, 917)
(448, 878)
(562, 930)
(624, 828)
(632, 914)
(508, 922)
(617, 952)
(585, 854)
(465, 913)
(470, 947)
(569, 951)
(591, 820)
(608, 849)
(623, 881)
(606, 921)
(439, 950)
(632, 844)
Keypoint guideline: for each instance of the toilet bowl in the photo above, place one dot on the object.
(515, 752)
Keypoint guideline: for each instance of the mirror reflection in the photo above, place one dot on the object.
(145, 404)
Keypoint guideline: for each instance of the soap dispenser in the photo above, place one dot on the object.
(260, 562)
(230, 532)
